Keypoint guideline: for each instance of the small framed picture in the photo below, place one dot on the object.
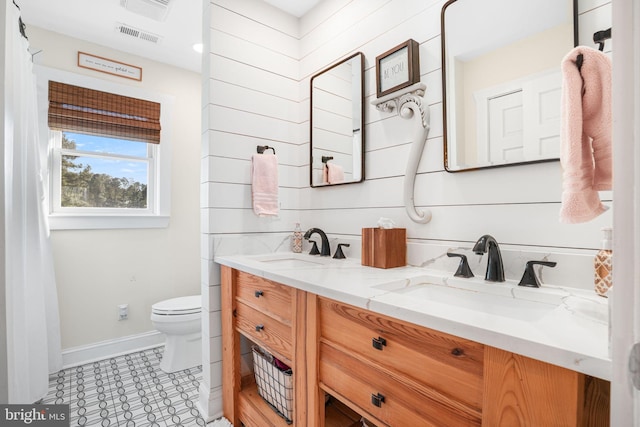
(398, 68)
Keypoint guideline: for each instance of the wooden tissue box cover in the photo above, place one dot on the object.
(384, 248)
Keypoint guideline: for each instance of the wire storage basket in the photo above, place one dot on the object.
(274, 381)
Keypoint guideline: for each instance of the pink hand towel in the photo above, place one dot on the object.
(335, 173)
(264, 184)
(585, 152)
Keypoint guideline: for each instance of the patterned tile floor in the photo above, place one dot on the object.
(128, 390)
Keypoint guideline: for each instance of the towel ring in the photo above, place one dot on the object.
(600, 37)
(325, 159)
(261, 149)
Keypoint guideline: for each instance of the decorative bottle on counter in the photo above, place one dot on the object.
(603, 264)
(296, 239)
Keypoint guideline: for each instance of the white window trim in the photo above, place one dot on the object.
(159, 214)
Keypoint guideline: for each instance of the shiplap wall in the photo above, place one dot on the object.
(250, 98)
(259, 66)
(518, 205)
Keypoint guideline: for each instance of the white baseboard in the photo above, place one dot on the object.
(210, 403)
(81, 355)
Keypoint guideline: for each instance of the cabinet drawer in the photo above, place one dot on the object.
(265, 330)
(406, 403)
(449, 365)
(265, 296)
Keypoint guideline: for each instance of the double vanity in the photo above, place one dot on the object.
(412, 347)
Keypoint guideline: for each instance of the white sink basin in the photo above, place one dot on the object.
(499, 299)
(292, 260)
(481, 303)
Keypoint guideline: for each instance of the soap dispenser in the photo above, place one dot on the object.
(296, 239)
(603, 264)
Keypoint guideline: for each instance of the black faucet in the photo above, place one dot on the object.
(495, 269)
(325, 250)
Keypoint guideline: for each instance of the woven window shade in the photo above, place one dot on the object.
(83, 110)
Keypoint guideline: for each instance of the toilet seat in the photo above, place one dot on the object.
(178, 306)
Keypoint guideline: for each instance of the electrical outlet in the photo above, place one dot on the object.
(123, 311)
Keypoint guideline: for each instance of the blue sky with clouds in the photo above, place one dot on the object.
(115, 167)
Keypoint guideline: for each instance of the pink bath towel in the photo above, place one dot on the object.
(585, 152)
(264, 184)
(335, 173)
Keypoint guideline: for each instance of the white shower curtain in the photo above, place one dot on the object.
(33, 324)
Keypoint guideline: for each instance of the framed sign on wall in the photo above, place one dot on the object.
(109, 66)
(398, 68)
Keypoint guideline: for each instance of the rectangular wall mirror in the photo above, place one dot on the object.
(337, 123)
(501, 80)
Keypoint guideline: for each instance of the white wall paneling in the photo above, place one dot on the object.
(239, 196)
(253, 101)
(497, 199)
(536, 224)
(585, 6)
(229, 170)
(257, 32)
(244, 75)
(332, 29)
(230, 46)
(222, 220)
(260, 11)
(393, 130)
(242, 146)
(251, 124)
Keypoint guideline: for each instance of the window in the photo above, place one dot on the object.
(108, 165)
(99, 174)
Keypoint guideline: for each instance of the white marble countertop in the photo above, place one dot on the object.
(567, 327)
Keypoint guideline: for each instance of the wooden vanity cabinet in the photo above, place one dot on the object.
(392, 372)
(421, 374)
(272, 316)
(520, 391)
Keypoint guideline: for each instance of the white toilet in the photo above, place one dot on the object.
(180, 320)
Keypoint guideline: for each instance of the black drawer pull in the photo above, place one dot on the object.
(457, 351)
(259, 328)
(377, 399)
(378, 343)
(258, 294)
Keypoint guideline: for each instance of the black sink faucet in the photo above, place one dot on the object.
(325, 250)
(495, 268)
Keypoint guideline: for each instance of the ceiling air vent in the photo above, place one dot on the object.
(154, 9)
(128, 30)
